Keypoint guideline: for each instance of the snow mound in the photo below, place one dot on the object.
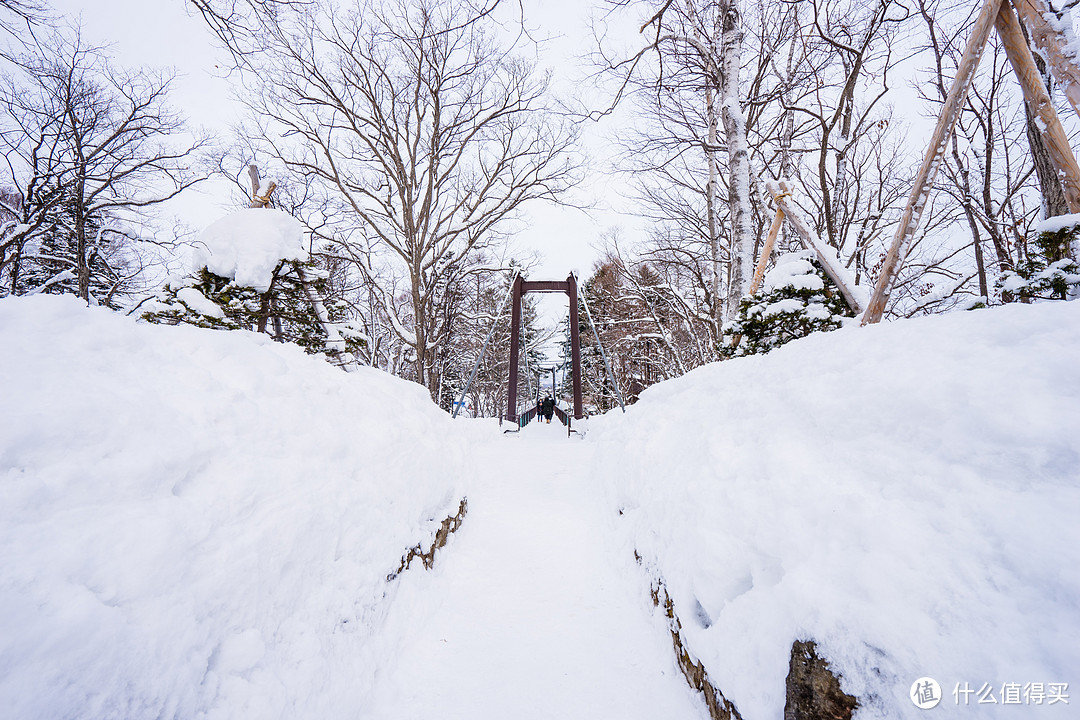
(905, 494)
(200, 524)
(248, 245)
(794, 270)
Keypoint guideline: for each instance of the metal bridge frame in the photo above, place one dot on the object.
(520, 289)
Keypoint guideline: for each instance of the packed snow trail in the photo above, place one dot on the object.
(530, 611)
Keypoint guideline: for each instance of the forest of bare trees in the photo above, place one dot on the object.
(837, 98)
(412, 136)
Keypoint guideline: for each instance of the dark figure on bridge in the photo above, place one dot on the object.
(549, 409)
(539, 408)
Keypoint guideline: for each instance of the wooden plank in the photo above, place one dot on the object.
(1054, 47)
(528, 286)
(810, 240)
(1038, 99)
(766, 251)
(924, 180)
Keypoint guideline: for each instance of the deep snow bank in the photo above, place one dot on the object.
(198, 523)
(907, 495)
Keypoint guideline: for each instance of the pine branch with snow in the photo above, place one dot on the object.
(1049, 272)
(255, 274)
(797, 298)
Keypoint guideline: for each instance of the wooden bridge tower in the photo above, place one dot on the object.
(521, 288)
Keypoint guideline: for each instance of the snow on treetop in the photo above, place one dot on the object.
(793, 269)
(1057, 223)
(248, 244)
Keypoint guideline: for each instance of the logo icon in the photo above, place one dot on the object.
(925, 693)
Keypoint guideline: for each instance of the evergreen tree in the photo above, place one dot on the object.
(50, 262)
(1048, 273)
(289, 310)
(797, 298)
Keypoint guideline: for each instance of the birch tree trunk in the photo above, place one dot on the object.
(712, 201)
(742, 242)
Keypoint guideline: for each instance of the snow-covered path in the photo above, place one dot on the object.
(531, 611)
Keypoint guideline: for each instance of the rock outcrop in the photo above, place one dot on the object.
(813, 690)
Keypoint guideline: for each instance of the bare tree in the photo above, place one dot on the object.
(430, 133)
(19, 16)
(990, 174)
(88, 148)
(702, 42)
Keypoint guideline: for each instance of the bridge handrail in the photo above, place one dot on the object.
(527, 417)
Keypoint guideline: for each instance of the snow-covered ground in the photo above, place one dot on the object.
(907, 495)
(533, 613)
(197, 523)
(200, 524)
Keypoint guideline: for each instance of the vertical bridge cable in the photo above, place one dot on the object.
(603, 355)
(483, 350)
(528, 371)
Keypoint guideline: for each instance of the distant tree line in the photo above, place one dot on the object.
(89, 148)
(408, 136)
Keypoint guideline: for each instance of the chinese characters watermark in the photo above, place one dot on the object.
(926, 693)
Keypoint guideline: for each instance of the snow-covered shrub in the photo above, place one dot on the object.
(1049, 272)
(796, 299)
(256, 275)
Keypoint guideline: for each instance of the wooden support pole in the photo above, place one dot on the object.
(575, 345)
(829, 262)
(1052, 44)
(515, 340)
(763, 261)
(939, 141)
(1038, 99)
(333, 337)
(257, 200)
(766, 251)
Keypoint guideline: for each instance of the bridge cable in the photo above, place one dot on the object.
(487, 341)
(528, 370)
(592, 326)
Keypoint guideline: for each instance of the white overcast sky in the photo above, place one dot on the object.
(162, 33)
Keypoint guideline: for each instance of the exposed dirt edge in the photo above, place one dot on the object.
(442, 535)
(813, 689)
(720, 708)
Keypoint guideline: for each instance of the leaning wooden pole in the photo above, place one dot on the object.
(1051, 42)
(257, 200)
(767, 250)
(1042, 107)
(939, 141)
(828, 259)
